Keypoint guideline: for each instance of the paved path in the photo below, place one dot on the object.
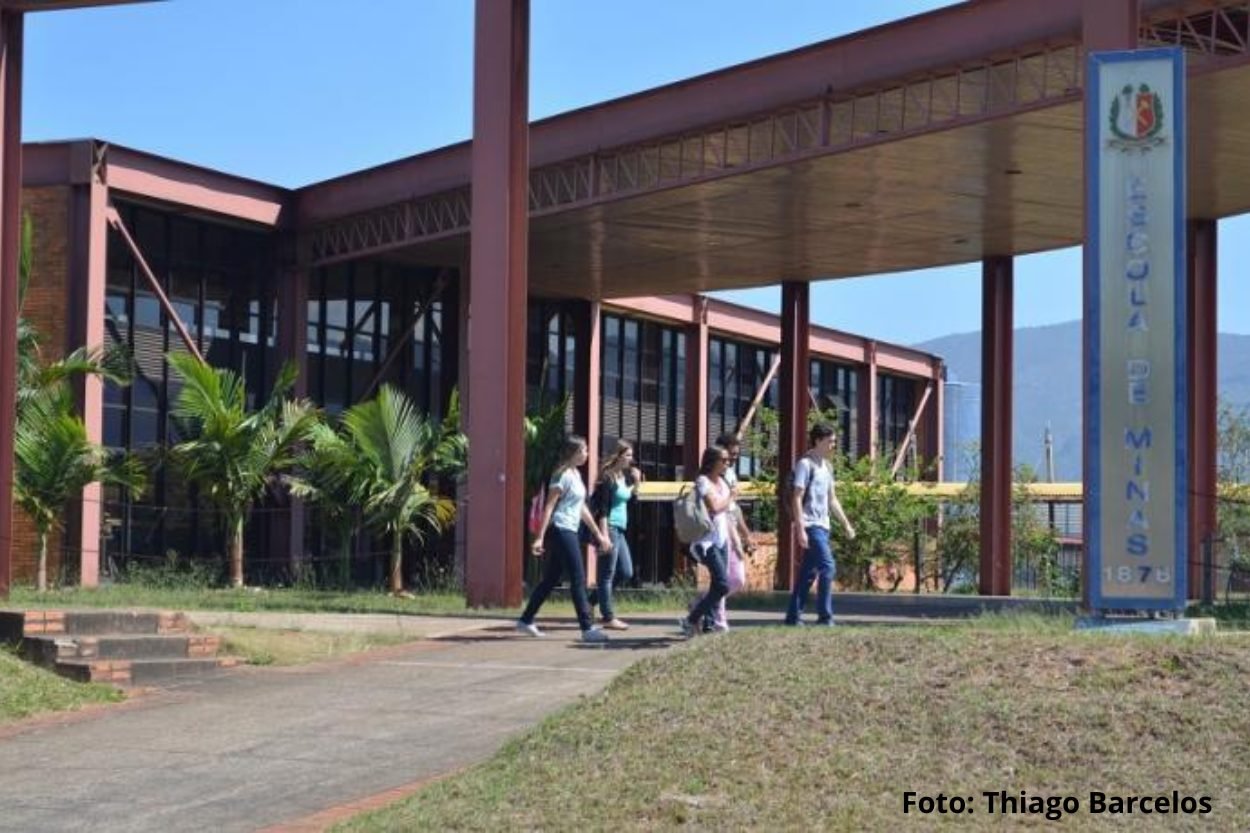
(256, 747)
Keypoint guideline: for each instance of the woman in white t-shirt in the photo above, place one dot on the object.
(564, 512)
(713, 548)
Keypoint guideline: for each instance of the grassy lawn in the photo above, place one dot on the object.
(313, 601)
(771, 729)
(265, 646)
(27, 690)
(246, 600)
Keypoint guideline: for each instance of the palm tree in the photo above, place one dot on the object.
(55, 460)
(318, 482)
(382, 460)
(234, 455)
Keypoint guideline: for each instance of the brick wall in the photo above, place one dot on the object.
(47, 307)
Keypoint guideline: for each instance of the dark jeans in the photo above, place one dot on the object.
(615, 566)
(818, 566)
(560, 552)
(717, 563)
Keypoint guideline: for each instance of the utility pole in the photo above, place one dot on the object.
(1048, 442)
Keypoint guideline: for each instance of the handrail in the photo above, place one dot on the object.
(654, 491)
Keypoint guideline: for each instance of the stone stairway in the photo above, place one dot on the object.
(125, 648)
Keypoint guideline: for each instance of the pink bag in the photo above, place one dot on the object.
(534, 521)
(737, 572)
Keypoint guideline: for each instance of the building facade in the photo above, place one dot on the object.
(667, 373)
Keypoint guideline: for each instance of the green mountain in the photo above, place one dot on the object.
(1047, 387)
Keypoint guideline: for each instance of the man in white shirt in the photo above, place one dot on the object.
(812, 500)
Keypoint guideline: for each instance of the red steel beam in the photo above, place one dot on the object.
(1203, 392)
(497, 313)
(115, 220)
(423, 307)
(760, 392)
(911, 429)
(996, 421)
(891, 54)
(795, 393)
(155, 177)
(11, 28)
(739, 322)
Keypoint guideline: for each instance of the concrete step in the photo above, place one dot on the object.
(15, 624)
(47, 649)
(121, 647)
(133, 672)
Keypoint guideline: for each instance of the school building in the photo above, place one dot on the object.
(955, 136)
(669, 373)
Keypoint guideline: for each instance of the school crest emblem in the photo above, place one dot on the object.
(1136, 119)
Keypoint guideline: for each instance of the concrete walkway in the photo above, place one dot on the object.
(257, 747)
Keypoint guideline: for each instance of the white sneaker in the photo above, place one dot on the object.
(594, 635)
(528, 628)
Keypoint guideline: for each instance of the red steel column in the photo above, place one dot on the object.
(867, 404)
(996, 421)
(1201, 326)
(1110, 24)
(696, 388)
(795, 371)
(587, 370)
(933, 447)
(88, 262)
(497, 287)
(11, 25)
(293, 281)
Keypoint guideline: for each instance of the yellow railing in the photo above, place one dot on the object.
(660, 490)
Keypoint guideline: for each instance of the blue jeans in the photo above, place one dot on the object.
(817, 565)
(615, 566)
(560, 552)
(717, 561)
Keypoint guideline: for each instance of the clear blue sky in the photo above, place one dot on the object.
(294, 91)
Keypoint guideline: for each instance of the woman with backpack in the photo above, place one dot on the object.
(713, 548)
(564, 512)
(618, 484)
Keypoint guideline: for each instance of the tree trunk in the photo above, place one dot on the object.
(41, 578)
(397, 563)
(345, 558)
(236, 551)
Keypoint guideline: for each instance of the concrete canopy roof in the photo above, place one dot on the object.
(935, 140)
